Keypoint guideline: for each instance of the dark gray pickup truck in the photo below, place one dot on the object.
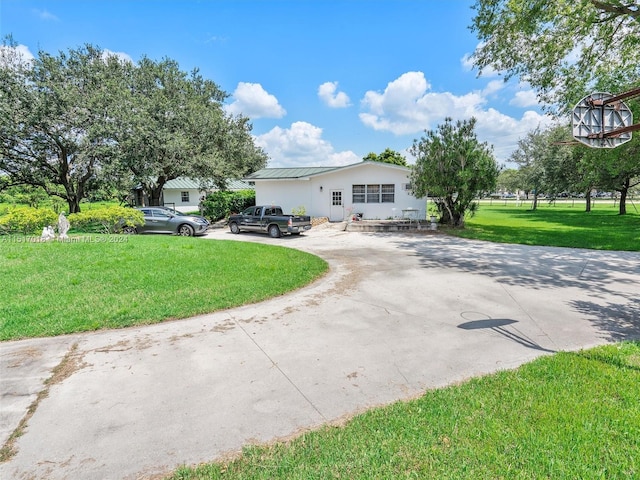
(269, 219)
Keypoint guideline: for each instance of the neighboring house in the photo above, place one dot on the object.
(184, 194)
(375, 190)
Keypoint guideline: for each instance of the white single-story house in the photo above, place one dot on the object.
(371, 190)
(184, 194)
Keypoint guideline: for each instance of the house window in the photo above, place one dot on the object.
(373, 193)
(336, 198)
(388, 193)
(358, 193)
(184, 196)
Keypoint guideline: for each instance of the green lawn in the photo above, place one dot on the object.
(562, 225)
(113, 281)
(566, 416)
(570, 415)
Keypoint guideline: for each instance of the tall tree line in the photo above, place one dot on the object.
(84, 120)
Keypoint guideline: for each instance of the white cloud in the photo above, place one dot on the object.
(524, 98)
(467, 64)
(121, 55)
(44, 15)
(251, 100)
(302, 145)
(492, 87)
(8, 55)
(407, 106)
(327, 93)
(503, 131)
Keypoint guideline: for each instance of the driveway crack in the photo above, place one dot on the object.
(275, 364)
(70, 363)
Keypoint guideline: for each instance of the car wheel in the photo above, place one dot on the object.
(129, 230)
(233, 226)
(185, 230)
(274, 231)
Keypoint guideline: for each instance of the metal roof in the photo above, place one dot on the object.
(239, 185)
(301, 172)
(282, 173)
(184, 183)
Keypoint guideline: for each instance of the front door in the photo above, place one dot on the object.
(336, 213)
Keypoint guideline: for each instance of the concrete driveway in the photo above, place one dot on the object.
(397, 314)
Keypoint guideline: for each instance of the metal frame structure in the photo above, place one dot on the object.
(602, 120)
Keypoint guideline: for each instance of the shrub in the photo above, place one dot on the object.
(301, 210)
(109, 219)
(26, 220)
(219, 205)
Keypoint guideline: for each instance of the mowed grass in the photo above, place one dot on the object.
(570, 415)
(113, 281)
(562, 225)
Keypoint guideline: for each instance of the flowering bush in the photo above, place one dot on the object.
(26, 220)
(106, 219)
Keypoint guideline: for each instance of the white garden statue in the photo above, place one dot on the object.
(63, 227)
(47, 234)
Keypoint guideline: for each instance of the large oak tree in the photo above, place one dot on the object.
(75, 122)
(55, 119)
(174, 125)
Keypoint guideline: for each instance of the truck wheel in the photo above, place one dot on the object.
(233, 226)
(129, 230)
(274, 231)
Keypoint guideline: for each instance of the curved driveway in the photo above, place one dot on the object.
(397, 314)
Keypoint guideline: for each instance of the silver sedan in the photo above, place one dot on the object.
(166, 220)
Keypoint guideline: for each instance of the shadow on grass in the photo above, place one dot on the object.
(614, 358)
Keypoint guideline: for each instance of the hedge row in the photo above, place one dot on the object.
(106, 219)
(31, 221)
(218, 205)
(26, 220)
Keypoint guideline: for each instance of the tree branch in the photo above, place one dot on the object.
(619, 9)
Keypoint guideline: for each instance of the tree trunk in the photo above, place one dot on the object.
(154, 191)
(535, 201)
(72, 197)
(623, 198)
(587, 199)
(74, 205)
(75, 188)
(155, 195)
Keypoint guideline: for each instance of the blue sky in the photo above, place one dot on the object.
(324, 82)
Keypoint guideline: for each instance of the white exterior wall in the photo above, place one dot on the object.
(174, 196)
(318, 203)
(288, 194)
